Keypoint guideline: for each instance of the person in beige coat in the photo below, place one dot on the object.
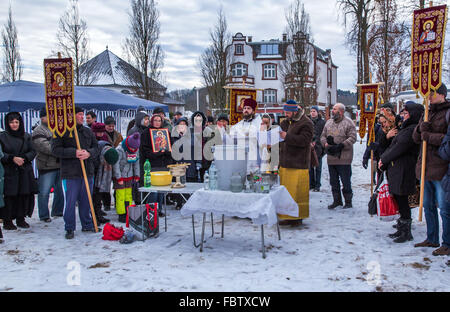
(338, 137)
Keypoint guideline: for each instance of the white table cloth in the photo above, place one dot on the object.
(262, 208)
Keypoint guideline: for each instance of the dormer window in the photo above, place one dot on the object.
(239, 49)
(269, 49)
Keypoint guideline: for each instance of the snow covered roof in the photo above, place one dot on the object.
(169, 101)
(107, 69)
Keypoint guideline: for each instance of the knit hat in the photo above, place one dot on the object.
(290, 106)
(388, 105)
(111, 156)
(133, 141)
(182, 119)
(223, 117)
(442, 90)
(98, 127)
(78, 110)
(178, 113)
(158, 110)
(210, 119)
(250, 102)
(109, 120)
(315, 107)
(43, 112)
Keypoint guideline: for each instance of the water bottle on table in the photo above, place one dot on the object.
(147, 174)
(206, 181)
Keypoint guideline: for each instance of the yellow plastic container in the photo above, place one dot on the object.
(161, 178)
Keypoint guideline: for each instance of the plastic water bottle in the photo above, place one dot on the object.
(212, 177)
(147, 174)
(206, 181)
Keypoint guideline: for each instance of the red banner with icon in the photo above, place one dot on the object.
(368, 101)
(237, 97)
(59, 95)
(427, 48)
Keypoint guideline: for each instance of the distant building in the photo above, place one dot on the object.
(259, 65)
(110, 71)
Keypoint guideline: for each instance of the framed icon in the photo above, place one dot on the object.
(160, 140)
(369, 102)
(240, 102)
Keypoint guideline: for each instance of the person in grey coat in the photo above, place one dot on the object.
(49, 171)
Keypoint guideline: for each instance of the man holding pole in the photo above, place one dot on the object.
(74, 186)
(433, 132)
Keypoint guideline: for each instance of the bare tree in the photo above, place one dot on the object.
(298, 72)
(390, 47)
(214, 63)
(143, 50)
(357, 16)
(73, 39)
(12, 63)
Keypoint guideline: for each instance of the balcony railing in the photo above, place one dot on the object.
(241, 80)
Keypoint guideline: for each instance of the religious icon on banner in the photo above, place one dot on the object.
(427, 48)
(59, 95)
(237, 97)
(160, 140)
(369, 97)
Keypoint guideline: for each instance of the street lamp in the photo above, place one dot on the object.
(195, 89)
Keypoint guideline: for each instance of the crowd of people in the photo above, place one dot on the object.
(113, 160)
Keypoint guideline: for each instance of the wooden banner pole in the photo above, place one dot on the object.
(424, 158)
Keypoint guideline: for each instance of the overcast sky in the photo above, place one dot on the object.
(185, 26)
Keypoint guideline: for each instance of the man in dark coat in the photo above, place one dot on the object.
(433, 132)
(20, 184)
(295, 159)
(398, 160)
(73, 181)
(315, 173)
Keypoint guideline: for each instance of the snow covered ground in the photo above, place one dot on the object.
(340, 250)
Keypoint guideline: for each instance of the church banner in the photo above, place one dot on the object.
(368, 100)
(59, 95)
(427, 48)
(237, 97)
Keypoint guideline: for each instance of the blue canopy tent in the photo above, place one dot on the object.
(23, 95)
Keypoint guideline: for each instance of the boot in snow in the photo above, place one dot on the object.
(20, 222)
(8, 225)
(405, 231)
(348, 200)
(337, 200)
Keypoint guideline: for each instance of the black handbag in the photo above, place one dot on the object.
(373, 202)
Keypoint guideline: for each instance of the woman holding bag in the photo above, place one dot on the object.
(20, 183)
(398, 159)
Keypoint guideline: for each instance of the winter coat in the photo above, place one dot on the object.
(444, 153)
(2, 180)
(116, 138)
(103, 170)
(18, 180)
(180, 155)
(124, 170)
(65, 148)
(41, 138)
(377, 149)
(436, 167)
(401, 156)
(343, 132)
(138, 127)
(319, 124)
(295, 150)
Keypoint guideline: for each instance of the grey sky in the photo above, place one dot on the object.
(185, 26)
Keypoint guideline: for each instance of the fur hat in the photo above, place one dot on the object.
(78, 110)
(98, 127)
(442, 90)
(109, 120)
(111, 156)
(133, 141)
(290, 106)
(250, 102)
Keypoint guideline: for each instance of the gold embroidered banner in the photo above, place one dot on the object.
(427, 46)
(237, 97)
(368, 100)
(59, 95)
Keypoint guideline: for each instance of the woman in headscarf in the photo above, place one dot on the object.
(398, 160)
(20, 183)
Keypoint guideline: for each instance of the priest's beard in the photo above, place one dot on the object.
(248, 116)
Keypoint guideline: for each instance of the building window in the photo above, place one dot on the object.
(330, 77)
(239, 49)
(269, 71)
(269, 49)
(239, 70)
(270, 96)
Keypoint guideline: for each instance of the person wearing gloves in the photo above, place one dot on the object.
(338, 137)
(126, 170)
(315, 173)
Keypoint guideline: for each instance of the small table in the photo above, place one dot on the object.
(262, 208)
(189, 188)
